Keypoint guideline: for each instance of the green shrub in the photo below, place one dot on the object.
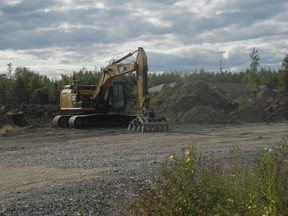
(194, 185)
(241, 101)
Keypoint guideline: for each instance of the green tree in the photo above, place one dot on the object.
(54, 92)
(65, 80)
(285, 70)
(251, 74)
(255, 58)
(4, 97)
(9, 69)
(26, 82)
(163, 78)
(40, 96)
(9, 85)
(265, 77)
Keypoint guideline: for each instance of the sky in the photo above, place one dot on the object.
(54, 37)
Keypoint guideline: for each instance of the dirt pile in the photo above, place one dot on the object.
(265, 106)
(252, 113)
(193, 103)
(40, 115)
(11, 116)
(207, 114)
(274, 102)
(28, 115)
(197, 103)
(5, 119)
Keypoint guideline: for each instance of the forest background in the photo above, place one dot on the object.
(21, 85)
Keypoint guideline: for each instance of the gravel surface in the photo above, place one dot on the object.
(56, 171)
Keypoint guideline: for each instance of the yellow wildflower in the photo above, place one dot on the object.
(252, 207)
(188, 160)
(187, 152)
(171, 157)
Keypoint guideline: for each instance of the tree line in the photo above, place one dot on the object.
(23, 86)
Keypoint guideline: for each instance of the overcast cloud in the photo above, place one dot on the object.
(61, 36)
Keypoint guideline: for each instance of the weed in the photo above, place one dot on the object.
(8, 130)
(194, 185)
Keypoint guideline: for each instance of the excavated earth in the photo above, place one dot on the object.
(62, 171)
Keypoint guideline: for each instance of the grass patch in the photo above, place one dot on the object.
(8, 130)
(192, 184)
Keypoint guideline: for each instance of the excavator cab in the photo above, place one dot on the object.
(118, 96)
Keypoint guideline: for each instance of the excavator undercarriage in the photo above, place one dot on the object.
(93, 120)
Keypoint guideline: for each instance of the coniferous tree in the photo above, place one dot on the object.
(285, 70)
(251, 74)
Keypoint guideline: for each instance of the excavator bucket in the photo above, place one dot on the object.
(18, 119)
(148, 122)
(12, 116)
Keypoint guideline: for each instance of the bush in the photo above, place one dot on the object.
(193, 185)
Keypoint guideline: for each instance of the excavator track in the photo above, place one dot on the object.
(61, 121)
(93, 120)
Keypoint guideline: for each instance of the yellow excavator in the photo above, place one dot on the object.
(101, 105)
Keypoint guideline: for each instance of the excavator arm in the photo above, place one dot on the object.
(147, 120)
(142, 78)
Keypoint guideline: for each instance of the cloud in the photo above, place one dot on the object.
(177, 35)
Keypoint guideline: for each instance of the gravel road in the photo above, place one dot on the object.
(56, 171)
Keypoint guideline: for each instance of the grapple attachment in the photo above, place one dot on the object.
(148, 122)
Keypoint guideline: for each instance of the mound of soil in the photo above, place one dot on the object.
(33, 111)
(28, 115)
(40, 115)
(207, 115)
(5, 119)
(265, 106)
(175, 102)
(252, 113)
(15, 119)
(274, 102)
(11, 116)
(198, 103)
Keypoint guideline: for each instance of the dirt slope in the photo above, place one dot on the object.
(197, 103)
(178, 102)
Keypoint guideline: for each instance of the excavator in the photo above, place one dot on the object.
(101, 105)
